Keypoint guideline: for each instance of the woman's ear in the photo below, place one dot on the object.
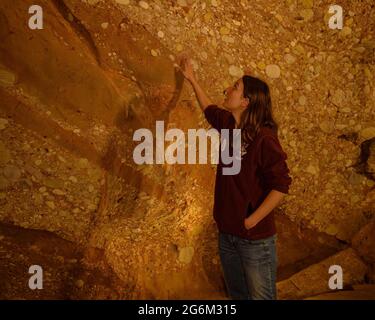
(246, 101)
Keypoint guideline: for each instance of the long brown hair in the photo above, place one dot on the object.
(259, 111)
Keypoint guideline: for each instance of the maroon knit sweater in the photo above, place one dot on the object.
(263, 168)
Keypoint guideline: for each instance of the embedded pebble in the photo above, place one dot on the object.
(143, 4)
(79, 283)
(235, 71)
(289, 58)
(123, 2)
(3, 123)
(302, 100)
(50, 204)
(186, 254)
(12, 173)
(273, 71)
(7, 78)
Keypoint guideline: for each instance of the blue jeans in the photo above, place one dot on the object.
(249, 267)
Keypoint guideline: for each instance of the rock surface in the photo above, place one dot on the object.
(314, 279)
(73, 93)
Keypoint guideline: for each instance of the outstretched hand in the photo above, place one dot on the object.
(186, 67)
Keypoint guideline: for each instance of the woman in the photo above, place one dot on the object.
(244, 203)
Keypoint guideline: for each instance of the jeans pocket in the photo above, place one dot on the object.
(255, 254)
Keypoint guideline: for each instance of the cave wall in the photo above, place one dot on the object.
(73, 93)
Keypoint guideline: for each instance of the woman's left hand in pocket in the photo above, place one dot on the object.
(250, 222)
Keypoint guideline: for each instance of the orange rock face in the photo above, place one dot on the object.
(73, 93)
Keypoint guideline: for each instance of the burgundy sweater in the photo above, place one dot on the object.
(263, 168)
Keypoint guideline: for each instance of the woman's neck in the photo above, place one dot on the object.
(237, 119)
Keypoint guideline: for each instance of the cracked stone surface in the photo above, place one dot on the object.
(73, 93)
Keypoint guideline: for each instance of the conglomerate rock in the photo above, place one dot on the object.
(73, 93)
(314, 280)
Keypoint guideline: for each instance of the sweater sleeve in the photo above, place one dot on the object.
(273, 166)
(216, 116)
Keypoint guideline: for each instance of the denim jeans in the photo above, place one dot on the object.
(249, 267)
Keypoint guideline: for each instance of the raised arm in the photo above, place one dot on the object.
(188, 72)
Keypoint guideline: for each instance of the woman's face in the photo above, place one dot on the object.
(234, 96)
